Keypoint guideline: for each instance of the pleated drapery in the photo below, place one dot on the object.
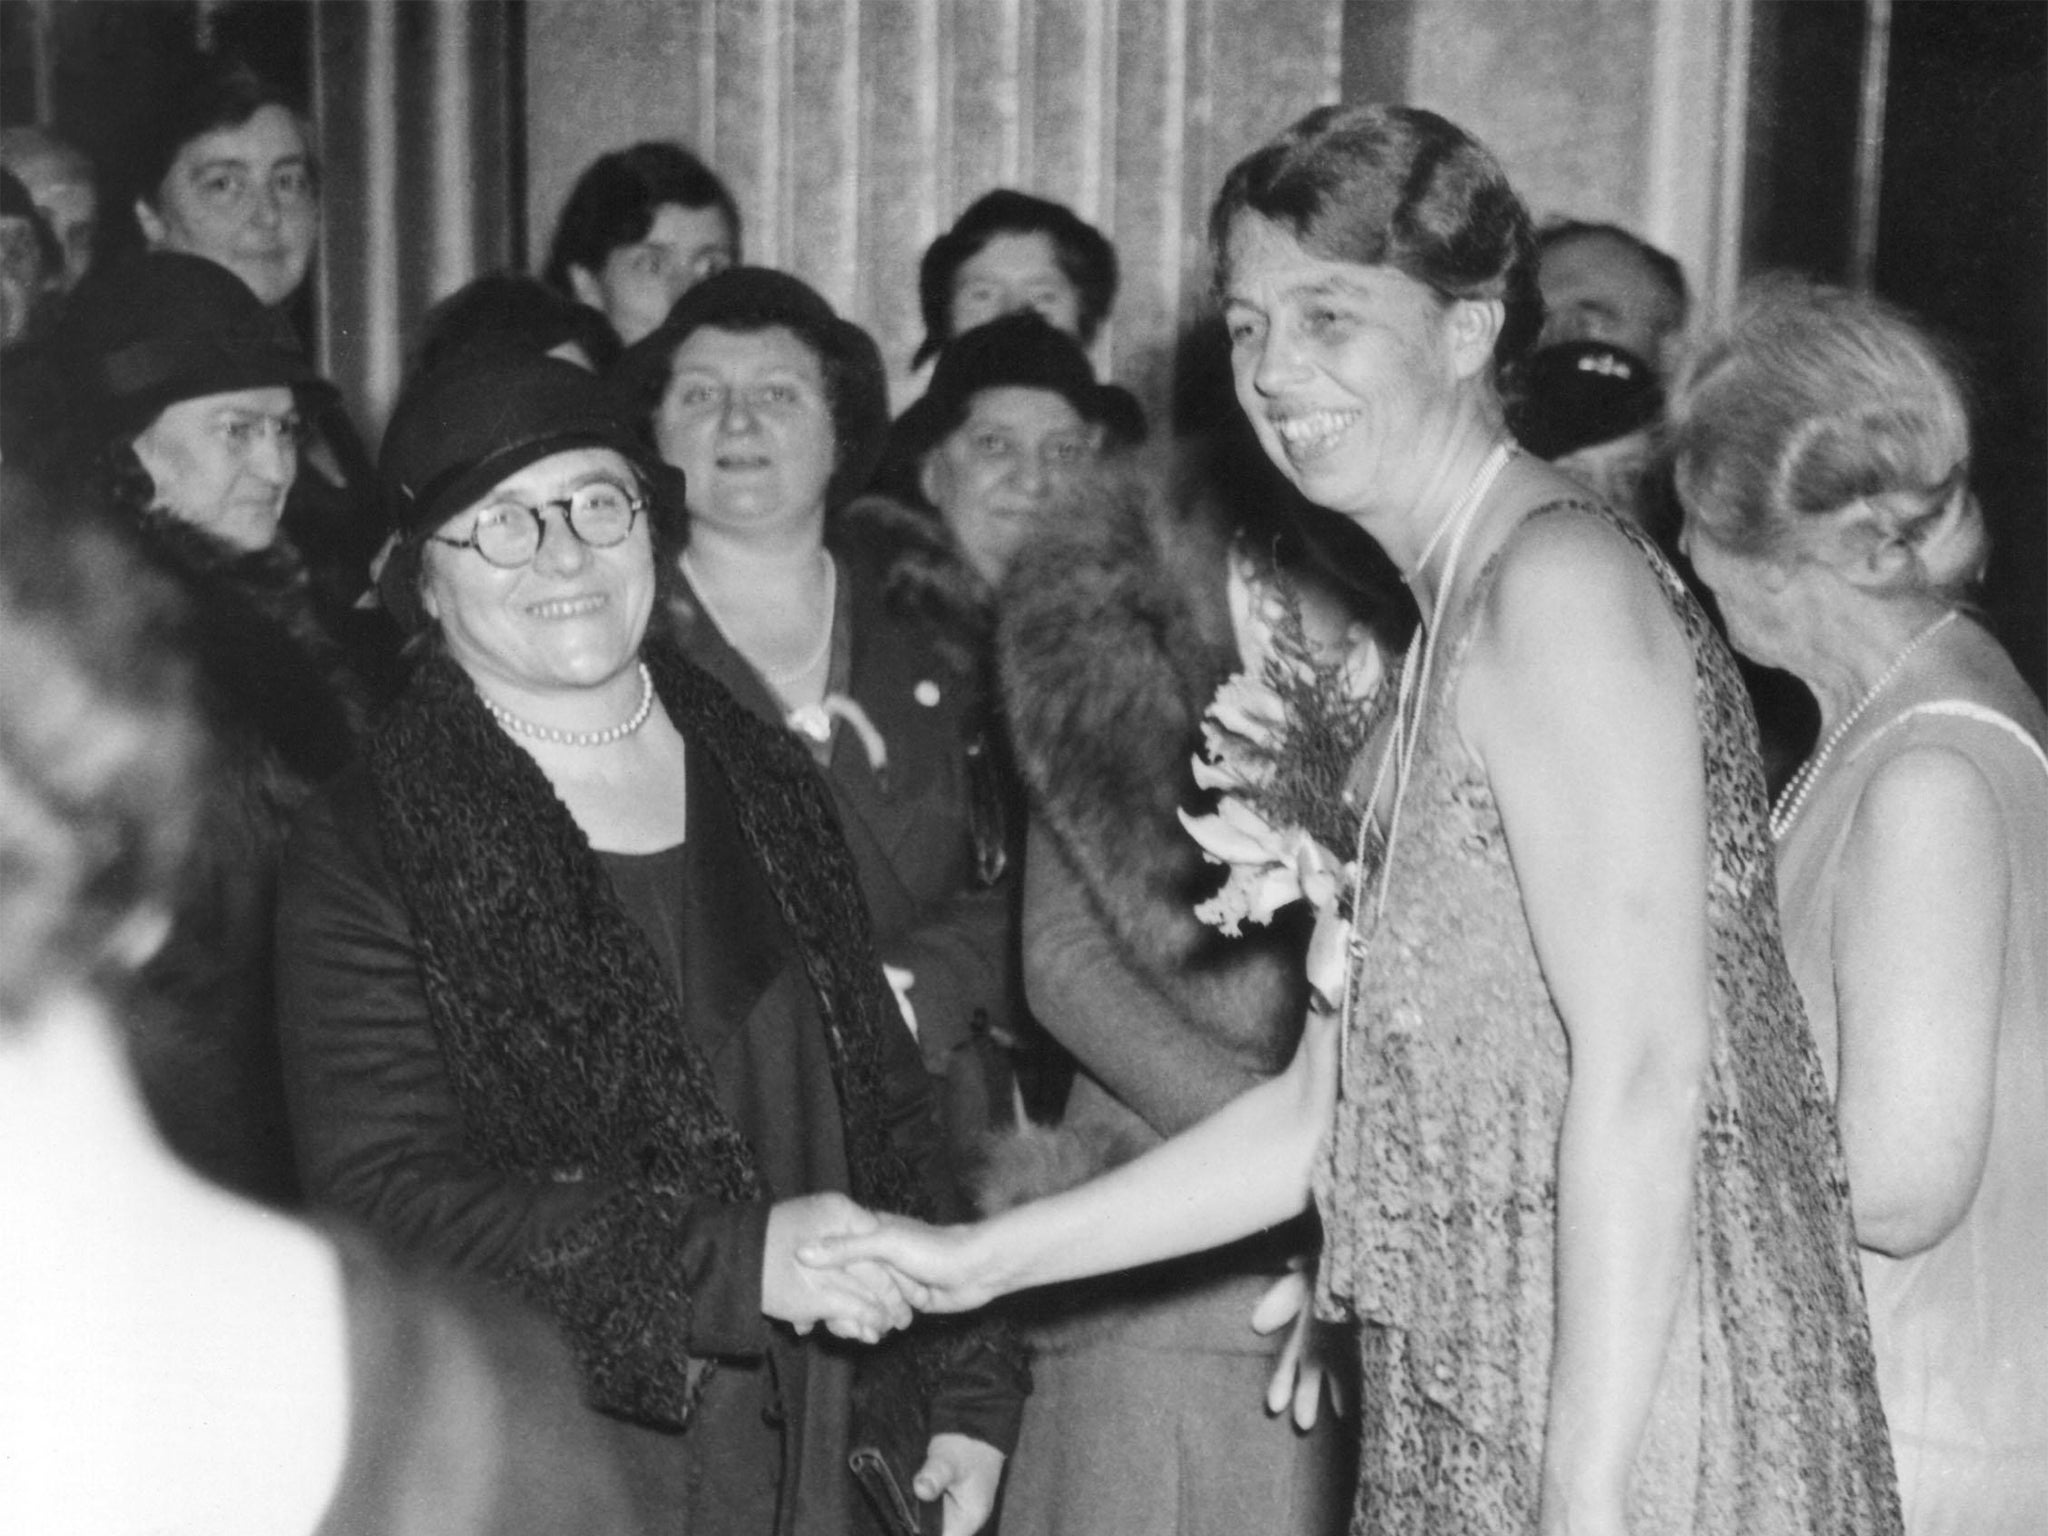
(854, 131)
(416, 106)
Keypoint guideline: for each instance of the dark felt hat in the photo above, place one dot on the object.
(756, 298)
(1574, 394)
(1021, 350)
(482, 415)
(487, 413)
(161, 326)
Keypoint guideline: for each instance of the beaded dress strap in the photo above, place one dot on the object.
(1962, 709)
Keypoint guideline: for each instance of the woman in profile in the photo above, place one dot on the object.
(1823, 451)
(1580, 1187)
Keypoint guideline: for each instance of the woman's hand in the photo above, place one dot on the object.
(858, 1299)
(939, 1269)
(1306, 1367)
(965, 1472)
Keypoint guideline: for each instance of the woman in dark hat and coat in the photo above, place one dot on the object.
(776, 409)
(184, 420)
(578, 988)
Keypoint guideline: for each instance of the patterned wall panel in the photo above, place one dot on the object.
(853, 131)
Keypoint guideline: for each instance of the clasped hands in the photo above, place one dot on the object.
(864, 1275)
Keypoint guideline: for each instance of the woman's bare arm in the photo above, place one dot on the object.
(1579, 702)
(1919, 958)
(1244, 1168)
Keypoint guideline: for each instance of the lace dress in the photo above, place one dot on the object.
(1438, 1190)
(1961, 1328)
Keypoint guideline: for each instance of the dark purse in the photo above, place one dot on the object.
(889, 1441)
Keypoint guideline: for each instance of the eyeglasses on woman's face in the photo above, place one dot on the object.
(507, 533)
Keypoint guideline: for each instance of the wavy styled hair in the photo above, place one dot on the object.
(1398, 187)
(101, 754)
(1813, 399)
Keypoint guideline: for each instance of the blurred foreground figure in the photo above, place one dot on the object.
(60, 180)
(173, 1360)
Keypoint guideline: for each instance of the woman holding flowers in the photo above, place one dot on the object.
(1579, 1179)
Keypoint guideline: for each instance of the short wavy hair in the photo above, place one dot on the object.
(1083, 253)
(209, 93)
(1814, 398)
(614, 201)
(1395, 187)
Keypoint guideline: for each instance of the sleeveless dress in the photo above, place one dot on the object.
(1961, 1329)
(1438, 1186)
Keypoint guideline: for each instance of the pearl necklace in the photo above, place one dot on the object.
(1793, 799)
(779, 678)
(603, 738)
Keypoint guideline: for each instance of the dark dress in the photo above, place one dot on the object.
(1438, 1188)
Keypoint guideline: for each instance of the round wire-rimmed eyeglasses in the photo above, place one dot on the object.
(509, 533)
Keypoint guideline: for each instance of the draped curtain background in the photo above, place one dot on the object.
(853, 131)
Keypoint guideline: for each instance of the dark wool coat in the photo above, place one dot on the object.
(283, 712)
(488, 1063)
(927, 831)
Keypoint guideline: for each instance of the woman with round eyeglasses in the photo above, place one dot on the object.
(183, 421)
(227, 170)
(577, 988)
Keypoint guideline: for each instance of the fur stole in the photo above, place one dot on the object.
(925, 579)
(284, 709)
(1114, 635)
(563, 1042)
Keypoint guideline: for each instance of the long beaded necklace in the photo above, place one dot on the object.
(1793, 798)
(781, 677)
(560, 738)
(1399, 755)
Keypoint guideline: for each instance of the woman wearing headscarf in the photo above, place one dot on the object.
(578, 987)
(1823, 449)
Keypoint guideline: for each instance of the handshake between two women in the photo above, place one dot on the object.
(863, 1275)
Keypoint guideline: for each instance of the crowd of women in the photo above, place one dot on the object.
(526, 953)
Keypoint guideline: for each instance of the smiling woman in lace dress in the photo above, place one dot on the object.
(1578, 1176)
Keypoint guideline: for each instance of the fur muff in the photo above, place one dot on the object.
(562, 1039)
(1114, 633)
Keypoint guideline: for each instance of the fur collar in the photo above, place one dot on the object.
(1114, 635)
(563, 1040)
(267, 668)
(924, 577)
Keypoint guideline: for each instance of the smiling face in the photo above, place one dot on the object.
(1012, 272)
(225, 462)
(747, 420)
(996, 472)
(639, 283)
(570, 619)
(244, 197)
(1347, 372)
